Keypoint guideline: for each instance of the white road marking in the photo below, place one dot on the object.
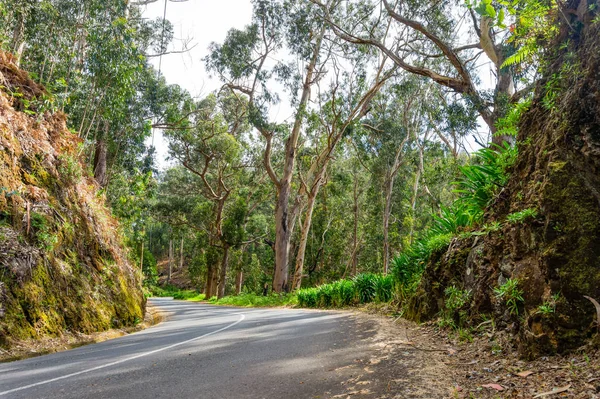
(242, 317)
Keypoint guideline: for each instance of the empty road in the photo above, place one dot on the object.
(204, 352)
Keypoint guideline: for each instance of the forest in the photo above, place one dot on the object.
(441, 157)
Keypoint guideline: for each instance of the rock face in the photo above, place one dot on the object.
(555, 256)
(62, 265)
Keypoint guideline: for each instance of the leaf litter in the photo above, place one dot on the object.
(422, 361)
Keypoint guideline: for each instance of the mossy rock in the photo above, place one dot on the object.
(558, 252)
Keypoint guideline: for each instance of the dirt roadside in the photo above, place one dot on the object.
(421, 361)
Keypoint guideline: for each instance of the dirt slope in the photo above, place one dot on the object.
(62, 266)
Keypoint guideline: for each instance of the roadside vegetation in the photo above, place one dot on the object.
(396, 178)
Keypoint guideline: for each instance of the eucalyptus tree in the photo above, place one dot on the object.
(337, 232)
(242, 61)
(345, 102)
(209, 143)
(388, 137)
(359, 184)
(443, 42)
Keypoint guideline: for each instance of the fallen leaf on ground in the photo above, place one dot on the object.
(525, 373)
(554, 391)
(494, 386)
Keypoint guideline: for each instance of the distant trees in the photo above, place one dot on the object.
(92, 56)
(209, 143)
(336, 188)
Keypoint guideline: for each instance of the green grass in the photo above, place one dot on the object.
(257, 301)
(176, 293)
(364, 288)
(244, 300)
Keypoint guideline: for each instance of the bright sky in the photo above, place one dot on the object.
(201, 22)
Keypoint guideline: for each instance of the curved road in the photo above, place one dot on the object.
(205, 352)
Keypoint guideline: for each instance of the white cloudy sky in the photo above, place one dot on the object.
(202, 22)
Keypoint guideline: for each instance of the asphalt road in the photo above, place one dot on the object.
(203, 352)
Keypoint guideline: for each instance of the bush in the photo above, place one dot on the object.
(384, 287)
(365, 285)
(344, 293)
(484, 178)
(325, 296)
(307, 298)
(408, 266)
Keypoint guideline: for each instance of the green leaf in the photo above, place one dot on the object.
(480, 9)
(501, 18)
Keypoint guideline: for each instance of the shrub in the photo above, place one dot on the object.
(511, 294)
(325, 296)
(365, 285)
(307, 297)
(484, 178)
(452, 219)
(409, 265)
(344, 293)
(384, 287)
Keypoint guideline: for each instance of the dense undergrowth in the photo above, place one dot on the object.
(363, 288)
(482, 179)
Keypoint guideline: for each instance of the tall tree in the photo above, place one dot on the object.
(209, 143)
(241, 61)
(346, 103)
(427, 43)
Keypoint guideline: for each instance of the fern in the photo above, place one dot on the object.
(522, 54)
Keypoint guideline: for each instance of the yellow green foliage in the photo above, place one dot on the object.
(62, 263)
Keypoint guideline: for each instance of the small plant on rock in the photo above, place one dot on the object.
(511, 294)
(455, 312)
(549, 307)
(519, 217)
